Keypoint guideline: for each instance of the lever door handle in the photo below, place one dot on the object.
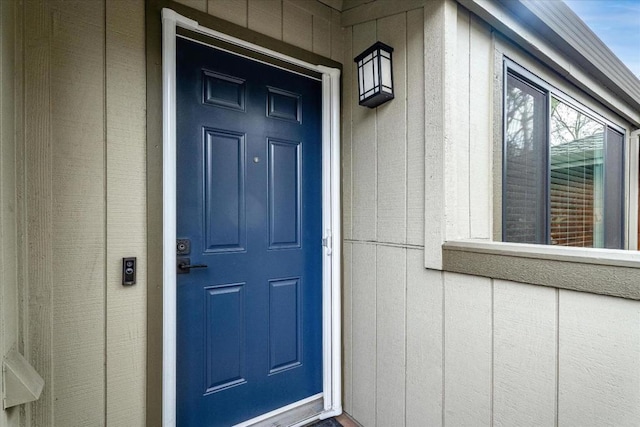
(184, 266)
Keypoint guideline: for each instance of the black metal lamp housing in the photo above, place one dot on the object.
(375, 75)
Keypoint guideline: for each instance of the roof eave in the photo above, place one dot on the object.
(555, 22)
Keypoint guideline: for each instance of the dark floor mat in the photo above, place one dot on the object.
(330, 422)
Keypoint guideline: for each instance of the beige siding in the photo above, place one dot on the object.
(391, 292)
(388, 357)
(391, 138)
(364, 354)
(453, 349)
(78, 241)
(265, 16)
(84, 209)
(513, 354)
(126, 212)
(10, 87)
(467, 350)
(363, 149)
(38, 204)
(420, 346)
(425, 373)
(598, 372)
(439, 17)
(415, 127)
(525, 354)
(308, 24)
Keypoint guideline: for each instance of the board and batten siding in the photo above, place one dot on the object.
(308, 24)
(10, 167)
(81, 206)
(424, 347)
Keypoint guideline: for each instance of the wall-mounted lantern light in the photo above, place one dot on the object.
(375, 75)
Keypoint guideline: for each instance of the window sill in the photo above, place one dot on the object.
(600, 271)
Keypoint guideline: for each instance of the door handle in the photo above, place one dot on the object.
(185, 266)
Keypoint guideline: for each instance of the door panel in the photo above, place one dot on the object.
(249, 183)
(284, 194)
(225, 227)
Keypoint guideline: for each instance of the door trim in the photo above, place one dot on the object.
(331, 260)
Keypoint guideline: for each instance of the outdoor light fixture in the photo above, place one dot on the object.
(375, 75)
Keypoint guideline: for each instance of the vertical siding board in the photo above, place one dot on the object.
(126, 211)
(347, 329)
(424, 343)
(364, 155)
(525, 354)
(364, 334)
(391, 138)
(348, 104)
(480, 135)
(78, 243)
(439, 59)
(321, 36)
(599, 349)
(297, 26)
(468, 350)
(314, 7)
(230, 10)
(496, 141)
(265, 16)
(10, 27)
(390, 335)
(338, 44)
(37, 60)
(200, 5)
(8, 208)
(457, 147)
(415, 127)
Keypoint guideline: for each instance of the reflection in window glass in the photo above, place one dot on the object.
(563, 178)
(525, 158)
(576, 190)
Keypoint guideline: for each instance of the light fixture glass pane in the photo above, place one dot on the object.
(376, 72)
(368, 76)
(386, 74)
(524, 195)
(576, 188)
(360, 80)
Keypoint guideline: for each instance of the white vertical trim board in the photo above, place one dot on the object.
(168, 218)
(331, 329)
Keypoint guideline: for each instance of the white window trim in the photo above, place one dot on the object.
(331, 324)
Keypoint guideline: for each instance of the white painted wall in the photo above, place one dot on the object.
(424, 347)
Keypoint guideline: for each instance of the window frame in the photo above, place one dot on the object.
(510, 67)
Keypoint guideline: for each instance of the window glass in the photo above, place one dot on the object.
(563, 178)
(525, 158)
(576, 192)
(614, 190)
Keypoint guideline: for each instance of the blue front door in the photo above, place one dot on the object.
(249, 201)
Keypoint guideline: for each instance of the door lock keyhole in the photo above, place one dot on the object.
(183, 246)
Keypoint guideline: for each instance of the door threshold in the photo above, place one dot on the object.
(296, 414)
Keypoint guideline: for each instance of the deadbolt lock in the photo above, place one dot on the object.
(183, 247)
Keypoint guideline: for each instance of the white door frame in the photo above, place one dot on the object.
(331, 264)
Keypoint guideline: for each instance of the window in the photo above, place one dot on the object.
(563, 170)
